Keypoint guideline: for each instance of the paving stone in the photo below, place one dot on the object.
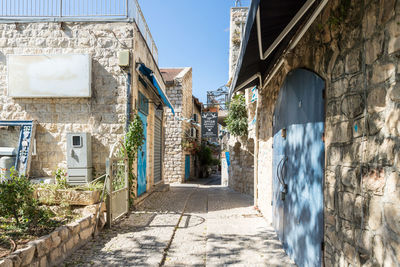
(209, 225)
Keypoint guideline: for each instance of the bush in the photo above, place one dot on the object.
(205, 155)
(216, 162)
(61, 178)
(16, 201)
(236, 121)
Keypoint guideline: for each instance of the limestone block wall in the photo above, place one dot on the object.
(103, 115)
(354, 47)
(180, 95)
(241, 151)
(237, 23)
(241, 170)
(52, 249)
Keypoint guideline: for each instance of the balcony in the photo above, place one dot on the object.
(79, 11)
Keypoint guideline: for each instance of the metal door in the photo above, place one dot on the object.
(187, 167)
(157, 149)
(142, 155)
(298, 161)
(118, 188)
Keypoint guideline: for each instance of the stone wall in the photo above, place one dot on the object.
(237, 23)
(241, 170)
(180, 94)
(53, 249)
(241, 151)
(354, 47)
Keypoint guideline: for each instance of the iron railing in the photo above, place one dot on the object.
(77, 10)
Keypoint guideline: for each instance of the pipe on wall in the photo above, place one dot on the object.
(128, 100)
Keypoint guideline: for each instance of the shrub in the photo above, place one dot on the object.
(61, 178)
(16, 200)
(205, 156)
(236, 121)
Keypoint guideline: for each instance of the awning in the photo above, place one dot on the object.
(279, 21)
(148, 73)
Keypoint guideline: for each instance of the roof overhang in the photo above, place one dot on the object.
(148, 75)
(271, 28)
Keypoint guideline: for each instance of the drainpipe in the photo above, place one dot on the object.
(129, 100)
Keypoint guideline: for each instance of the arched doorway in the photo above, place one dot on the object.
(298, 162)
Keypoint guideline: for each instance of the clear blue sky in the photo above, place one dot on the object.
(192, 33)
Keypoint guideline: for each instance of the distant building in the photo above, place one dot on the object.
(182, 131)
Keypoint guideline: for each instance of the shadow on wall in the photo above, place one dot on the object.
(241, 170)
(101, 115)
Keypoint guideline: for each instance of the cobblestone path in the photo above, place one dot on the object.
(190, 225)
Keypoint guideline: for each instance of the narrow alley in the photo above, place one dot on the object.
(188, 225)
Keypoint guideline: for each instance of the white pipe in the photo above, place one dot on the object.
(308, 24)
(283, 34)
(249, 80)
(296, 40)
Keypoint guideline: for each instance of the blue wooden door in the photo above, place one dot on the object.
(298, 161)
(142, 155)
(187, 167)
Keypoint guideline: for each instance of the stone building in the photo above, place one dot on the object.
(327, 129)
(241, 150)
(182, 134)
(238, 18)
(123, 63)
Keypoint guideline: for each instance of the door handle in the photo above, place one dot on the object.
(281, 179)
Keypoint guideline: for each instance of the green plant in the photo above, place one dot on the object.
(205, 155)
(236, 121)
(61, 178)
(134, 139)
(216, 162)
(16, 201)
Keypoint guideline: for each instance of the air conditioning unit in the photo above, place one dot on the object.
(79, 158)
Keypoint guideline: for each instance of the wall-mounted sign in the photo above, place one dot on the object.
(31, 76)
(209, 124)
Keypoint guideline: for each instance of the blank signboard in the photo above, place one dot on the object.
(49, 76)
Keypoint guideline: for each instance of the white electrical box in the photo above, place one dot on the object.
(123, 58)
(79, 158)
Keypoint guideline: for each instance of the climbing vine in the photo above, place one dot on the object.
(134, 139)
(237, 116)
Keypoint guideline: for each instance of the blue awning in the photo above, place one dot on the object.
(149, 74)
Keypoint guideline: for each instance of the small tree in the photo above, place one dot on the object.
(236, 121)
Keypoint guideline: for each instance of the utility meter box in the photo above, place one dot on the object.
(79, 158)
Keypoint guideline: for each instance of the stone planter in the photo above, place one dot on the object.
(72, 197)
(52, 249)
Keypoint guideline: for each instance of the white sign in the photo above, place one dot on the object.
(49, 76)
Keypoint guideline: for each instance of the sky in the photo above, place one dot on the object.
(193, 33)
